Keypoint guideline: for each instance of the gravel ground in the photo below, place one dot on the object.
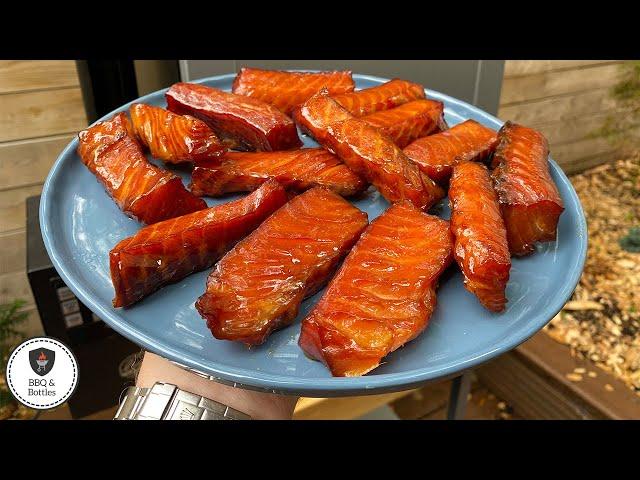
(602, 320)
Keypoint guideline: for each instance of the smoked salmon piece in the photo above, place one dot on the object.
(257, 287)
(168, 251)
(243, 123)
(141, 190)
(287, 90)
(382, 97)
(174, 138)
(481, 247)
(437, 154)
(384, 293)
(367, 152)
(409, 121)
(529, 199)
(296, 170)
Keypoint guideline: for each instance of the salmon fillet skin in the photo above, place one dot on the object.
(437, 154)
(481, 249)
(529, 198)
(383, 294)
(174, 138)
(367, 152)
(287, 90)
(409, 121)
(168, 251)
(141, 190)
(296, 170)
(242, 123)
(258, 286)
(381, 97)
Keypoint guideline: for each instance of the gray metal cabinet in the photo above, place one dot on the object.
(475, 81)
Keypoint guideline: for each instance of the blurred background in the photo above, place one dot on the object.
(584, 365)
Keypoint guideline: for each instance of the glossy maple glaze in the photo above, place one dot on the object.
(529, 199)
(481, 249)
(168, 251)
(257, 287)
(437, 154)
(174, 138)
(382, 97)
(241, 122)
(296, 170)
(409, 121)
(383, 294)
(287, 90)
(367, 151)
(141, 190)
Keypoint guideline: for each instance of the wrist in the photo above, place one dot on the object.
(258, 405)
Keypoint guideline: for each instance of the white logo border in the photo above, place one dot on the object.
(65, 349)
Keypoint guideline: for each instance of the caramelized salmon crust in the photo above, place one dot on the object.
(287, 90)
(381, 97)
(168, 251)
(174, 138)
(243, 123)
(367, 152)
(384, 293)
(437, 154)
(481, 247)
(529, 198)
(258, 286)
(141, 190)
(296, 170)
(409, 121)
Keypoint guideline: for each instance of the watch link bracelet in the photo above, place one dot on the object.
(164, 401)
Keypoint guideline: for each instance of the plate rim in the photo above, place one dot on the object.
(312, 387)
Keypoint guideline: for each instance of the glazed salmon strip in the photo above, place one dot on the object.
(367, 152)
(168, 251)
(381, 97)
(174, 138)
(287, 90)
(258, 286)
(243, 123)
(384, 293)
(296, 170)
(409, 121)
(529, 199)
(141, 190)
(481, 248)
(437, 154)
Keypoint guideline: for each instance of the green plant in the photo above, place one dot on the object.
(620, 128)
(631, 241)
(11, 317)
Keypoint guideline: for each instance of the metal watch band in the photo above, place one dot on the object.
(164, 401)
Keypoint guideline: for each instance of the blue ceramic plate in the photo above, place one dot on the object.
(80, 224)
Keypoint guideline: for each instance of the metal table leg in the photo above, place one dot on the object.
(458, 396)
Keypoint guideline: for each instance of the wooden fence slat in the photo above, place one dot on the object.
(13, 213)
(15, 285)
(573, 129)
(41, 113)
(559, 108)
(514, 68)
(25, 75)
(548, 84)
(26, 162)
(13, 251)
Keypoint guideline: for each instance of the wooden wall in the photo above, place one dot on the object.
(40, 110)
(566, 100)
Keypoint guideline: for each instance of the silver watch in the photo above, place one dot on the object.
(164, 401)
